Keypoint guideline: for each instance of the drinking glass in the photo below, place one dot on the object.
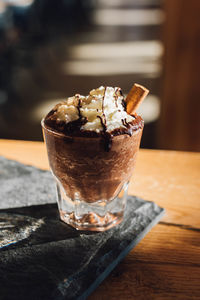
(92, 181)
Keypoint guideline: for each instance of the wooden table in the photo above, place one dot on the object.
(166, 263)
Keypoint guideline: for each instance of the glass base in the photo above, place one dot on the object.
(96, 216)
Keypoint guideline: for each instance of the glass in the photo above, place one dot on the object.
(92, 182)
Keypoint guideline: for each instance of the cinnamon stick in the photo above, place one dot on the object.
(135, 97)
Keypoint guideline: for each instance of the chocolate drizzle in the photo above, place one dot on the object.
(123, 122)
(102, 123)
(78, 106)
(123, 101)
(124, 104)
(104, 117)
(106, 135)
(127, 125)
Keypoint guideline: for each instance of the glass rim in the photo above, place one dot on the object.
(60, 134)
(52, 131)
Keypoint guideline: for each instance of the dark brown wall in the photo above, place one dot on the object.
(180, 113)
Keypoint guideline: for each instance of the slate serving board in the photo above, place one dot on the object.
(43, 258)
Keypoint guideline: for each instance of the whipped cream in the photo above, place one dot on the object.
(102, 109)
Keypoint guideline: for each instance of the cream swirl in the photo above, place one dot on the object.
(103, 109)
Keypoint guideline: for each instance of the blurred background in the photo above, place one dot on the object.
(50, 50)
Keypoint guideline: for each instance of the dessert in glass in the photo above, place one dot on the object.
(92, 144)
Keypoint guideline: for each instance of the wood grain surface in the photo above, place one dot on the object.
(166, 263)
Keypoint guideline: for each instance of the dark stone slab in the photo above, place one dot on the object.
(43, 258)
(23, 185)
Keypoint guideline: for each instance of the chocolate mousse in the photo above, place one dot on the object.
(92, 143)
